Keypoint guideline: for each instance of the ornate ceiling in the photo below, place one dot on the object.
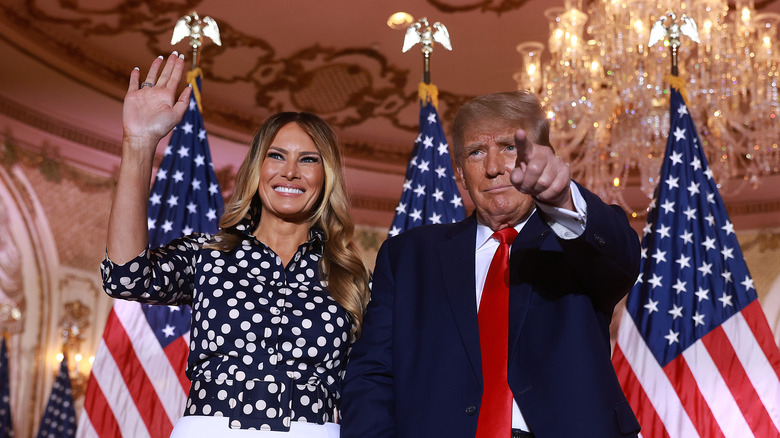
(66, 64)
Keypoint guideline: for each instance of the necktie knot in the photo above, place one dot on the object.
(505, 236)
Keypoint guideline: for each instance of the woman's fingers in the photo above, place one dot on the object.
(165, 77)
(155, 67)
(133, 85)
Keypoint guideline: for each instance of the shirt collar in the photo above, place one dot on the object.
(485, 234)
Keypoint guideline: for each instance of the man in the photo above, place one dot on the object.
(423, 366)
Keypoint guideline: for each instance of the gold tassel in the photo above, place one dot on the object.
(428, 93)
(192, 77)
(678, 83)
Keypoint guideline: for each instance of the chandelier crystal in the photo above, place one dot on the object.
(606, 91)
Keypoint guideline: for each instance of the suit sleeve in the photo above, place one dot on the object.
(367, 395)
(606, 255)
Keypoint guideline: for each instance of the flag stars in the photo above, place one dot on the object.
(394, 231)
(672, 182)
(676, 311)
(663, 231)
(693, 189)
(423, 166)
(420, 190)
(192, 208)
(748, 283)
(431, 118)
(672, 337)
(443, 149)
(728, 228)
(438, 195)
(726, 300)
(200, 160)
(178, 176)
(457, 201)
(676, 159)
(651, 306)
(173, 201)
(187, 230)
(188, 128)
(710, 220)
(690, 213)
(696, 163)
(162, 174)
(659, 256)
(668, 206)
(709, 243)
(168, 331)
(687, 237)
(703, 294)
(211, 214)
(643, 253)
(727, 253)
(435, 218)
(213, 189)
(428, 142)
(655, 281)
(407, 185)
(679, 286)
(195, 184)
(183, 152)
(705, 269)
(167, 226)
(710, 197)
(401, 209)
(441, 172)
(708, 173)
(682, 110)
(155, 199)
(683, 261)
(726, 276)
(168, 150)
(150, 223)
(679, 134)
(416, 215)
(698, 319)
(647, 229)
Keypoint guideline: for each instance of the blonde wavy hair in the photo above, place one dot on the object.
(341, 265)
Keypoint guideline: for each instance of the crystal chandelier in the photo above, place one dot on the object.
(606, 91)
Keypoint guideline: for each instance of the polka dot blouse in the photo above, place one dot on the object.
(268, 344)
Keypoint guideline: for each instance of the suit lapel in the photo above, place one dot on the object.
(457, 261)
(530, 238)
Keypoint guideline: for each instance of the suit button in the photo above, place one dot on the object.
(599, 240)
(471, 409)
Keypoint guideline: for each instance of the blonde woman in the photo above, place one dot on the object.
(277, 294)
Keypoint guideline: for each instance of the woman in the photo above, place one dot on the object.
(277, 295)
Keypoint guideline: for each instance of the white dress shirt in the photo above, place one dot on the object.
(566, 224)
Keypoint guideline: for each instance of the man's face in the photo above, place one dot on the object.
(483, 166)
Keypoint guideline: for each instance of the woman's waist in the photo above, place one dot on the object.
(268, 402)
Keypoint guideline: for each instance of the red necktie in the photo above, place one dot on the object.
(495, 413)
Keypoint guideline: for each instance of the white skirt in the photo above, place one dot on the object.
(205, 426)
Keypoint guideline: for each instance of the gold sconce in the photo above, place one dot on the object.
(72, 325)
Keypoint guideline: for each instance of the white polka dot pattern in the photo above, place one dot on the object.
(267, 343)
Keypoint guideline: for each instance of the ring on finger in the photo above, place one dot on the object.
(145, 84)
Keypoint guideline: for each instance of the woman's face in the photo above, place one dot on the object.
(292, 175)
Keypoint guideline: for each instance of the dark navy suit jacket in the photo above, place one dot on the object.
(417, 372)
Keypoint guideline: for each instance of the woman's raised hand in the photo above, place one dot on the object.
(151, 109)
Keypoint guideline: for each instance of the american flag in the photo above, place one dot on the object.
(6, 424)
(137, 387)
(430, 195)
(695, 354)
(59, 418)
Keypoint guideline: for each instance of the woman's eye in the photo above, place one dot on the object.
(275, 155)
(310, 159)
